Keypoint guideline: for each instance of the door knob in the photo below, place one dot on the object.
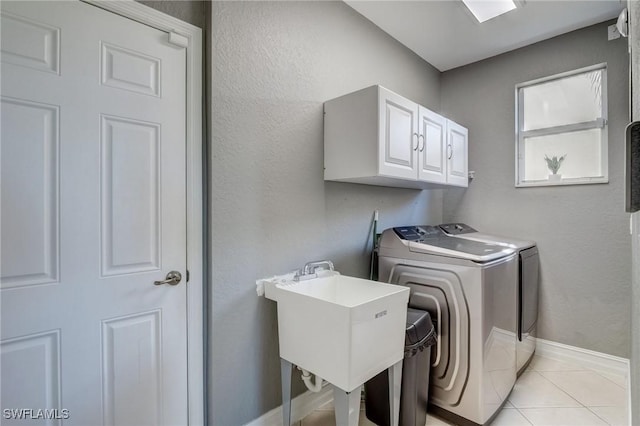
(173, 278)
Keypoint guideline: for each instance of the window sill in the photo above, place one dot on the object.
(563, 182)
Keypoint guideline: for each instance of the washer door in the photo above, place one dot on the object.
(440, 293)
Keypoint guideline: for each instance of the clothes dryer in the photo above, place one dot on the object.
(469, 289)
(528, 284)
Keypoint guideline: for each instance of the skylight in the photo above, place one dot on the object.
(484, 10)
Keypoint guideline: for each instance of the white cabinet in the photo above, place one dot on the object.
(398, 134)
(377, 137)
(457, 167)
(433, 153)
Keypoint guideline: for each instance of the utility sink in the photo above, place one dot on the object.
(343, 329)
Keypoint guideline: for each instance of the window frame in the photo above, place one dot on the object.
(599, 123)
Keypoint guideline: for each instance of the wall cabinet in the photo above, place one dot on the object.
(377, 137)
(457, 165)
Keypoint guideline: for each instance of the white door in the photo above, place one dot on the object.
(93, 212)
(432, 158)
(398, 127)
(457, 168)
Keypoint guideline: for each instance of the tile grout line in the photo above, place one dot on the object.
(566, 392)
(555, 408)
(596, 414)
(576, 399)
(583, 368)
(525, 417)
(559, 388)
(624, 388)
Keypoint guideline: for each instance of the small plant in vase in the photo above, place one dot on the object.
(554, 164)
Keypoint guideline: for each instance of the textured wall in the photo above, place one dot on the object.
(273, 66)
(582, 230)
(191, 11)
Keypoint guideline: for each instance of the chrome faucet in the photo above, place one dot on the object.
(309, 270)
(310, 267)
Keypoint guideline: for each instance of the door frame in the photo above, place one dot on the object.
(194, 195)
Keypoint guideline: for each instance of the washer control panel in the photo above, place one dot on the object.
(456, 228)
(418, 233)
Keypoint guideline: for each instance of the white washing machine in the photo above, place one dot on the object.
(469, 289)
(528, 284)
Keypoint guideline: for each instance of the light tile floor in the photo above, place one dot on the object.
(549, 393)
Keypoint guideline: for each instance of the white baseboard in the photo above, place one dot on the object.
(301, 407)
(591, 359)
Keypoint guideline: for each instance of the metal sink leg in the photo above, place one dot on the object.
(395, 385)
(347, 406)
(285, 374)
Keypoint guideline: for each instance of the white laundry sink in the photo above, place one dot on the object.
(343, 329)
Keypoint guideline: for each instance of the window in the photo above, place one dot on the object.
(562, 129)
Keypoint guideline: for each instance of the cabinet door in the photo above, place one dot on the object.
(457, 168)
(432, 156)
(398, 138)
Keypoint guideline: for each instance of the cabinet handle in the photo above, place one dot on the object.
(417, 141)
(450, 151)
(423, 142)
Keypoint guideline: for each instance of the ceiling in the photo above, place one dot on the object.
(446, 34)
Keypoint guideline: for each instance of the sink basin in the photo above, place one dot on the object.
(343, 329)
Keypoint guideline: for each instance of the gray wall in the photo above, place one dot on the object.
(582, 231)
(273, 66)
(191, 11)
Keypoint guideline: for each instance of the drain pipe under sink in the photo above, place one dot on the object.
(306, 378)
